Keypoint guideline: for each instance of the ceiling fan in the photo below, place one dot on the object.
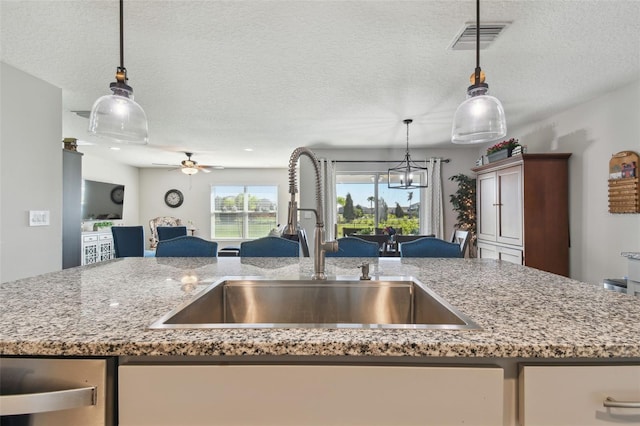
(189, 166)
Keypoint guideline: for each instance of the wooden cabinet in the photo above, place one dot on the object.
(97, 247)
(523, 211)
(309, 395)
(577, 395)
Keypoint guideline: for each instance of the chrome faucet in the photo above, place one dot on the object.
(365, 271)
(320, 245)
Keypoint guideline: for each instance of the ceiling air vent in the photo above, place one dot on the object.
(466, 37)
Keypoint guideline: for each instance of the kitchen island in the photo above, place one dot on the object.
(526, 317)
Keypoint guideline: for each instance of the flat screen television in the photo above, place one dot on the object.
(102, 200)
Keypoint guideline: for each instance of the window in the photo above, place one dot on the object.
(243, 212)
(366, 205)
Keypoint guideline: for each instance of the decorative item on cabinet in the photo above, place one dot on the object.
(502, 150)
(70, 144)
(624, 183)
(101, 226)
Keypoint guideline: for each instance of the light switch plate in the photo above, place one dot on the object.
(38, 217)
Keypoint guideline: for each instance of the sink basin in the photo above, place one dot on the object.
(393, 302)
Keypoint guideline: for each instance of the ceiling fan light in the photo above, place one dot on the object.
(189, 170)
(119, 117)
(479, 119)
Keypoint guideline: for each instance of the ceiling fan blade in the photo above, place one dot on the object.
(167, 165)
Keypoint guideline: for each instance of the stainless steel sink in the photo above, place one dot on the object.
(393, 302)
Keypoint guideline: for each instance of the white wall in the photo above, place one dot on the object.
(154, 183)
(30, 173)
(98, 169)
(592, 132)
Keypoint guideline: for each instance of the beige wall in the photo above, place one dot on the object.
(30, 173)
(154, 183)
(96, 168)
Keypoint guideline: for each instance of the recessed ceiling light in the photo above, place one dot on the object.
(114, 148)
(248, 149)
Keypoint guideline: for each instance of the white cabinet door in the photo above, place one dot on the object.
(106, 247)
(575, 395)
(510, 255)
(487, 207)
(309, 395)
(493, 251)
(509, 189)
(90, 249)
(488, 251)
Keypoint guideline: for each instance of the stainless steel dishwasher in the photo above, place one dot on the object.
(57, 391)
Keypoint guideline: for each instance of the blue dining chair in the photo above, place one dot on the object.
(186, 246)
(270, 247)
(128, 241)
(355, 247)
(169, 232)
(430, 247)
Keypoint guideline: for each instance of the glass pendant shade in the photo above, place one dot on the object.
(119, 117)
(479, 119)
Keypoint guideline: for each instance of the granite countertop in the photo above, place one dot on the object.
(105, 309)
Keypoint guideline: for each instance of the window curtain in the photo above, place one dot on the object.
(328, 182)
(432, 208)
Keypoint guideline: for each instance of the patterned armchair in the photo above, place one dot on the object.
(160, 221)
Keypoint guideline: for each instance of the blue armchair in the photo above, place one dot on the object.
(169, 232)
(128, 241)
(430, 247)
(186, 246)
(270, 247)
(355, 247)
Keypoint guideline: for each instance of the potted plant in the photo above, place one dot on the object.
(98, 226)
(502, 150)
(464, 204)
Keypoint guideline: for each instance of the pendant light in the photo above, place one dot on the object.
(480, 118)
(407, 174)
(118, 116)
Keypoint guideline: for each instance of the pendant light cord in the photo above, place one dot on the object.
(121, 35)
(477, 72)
(407, 122)
(407, 138)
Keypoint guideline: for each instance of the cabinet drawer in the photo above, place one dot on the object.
(308, 395)
(575, 395)
(106, 237)
(89, 238)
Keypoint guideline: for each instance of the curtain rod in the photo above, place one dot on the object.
(444, 160)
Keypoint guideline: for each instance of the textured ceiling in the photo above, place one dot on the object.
(216, 77)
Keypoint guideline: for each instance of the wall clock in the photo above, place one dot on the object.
(173, 198)
(117, 194)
